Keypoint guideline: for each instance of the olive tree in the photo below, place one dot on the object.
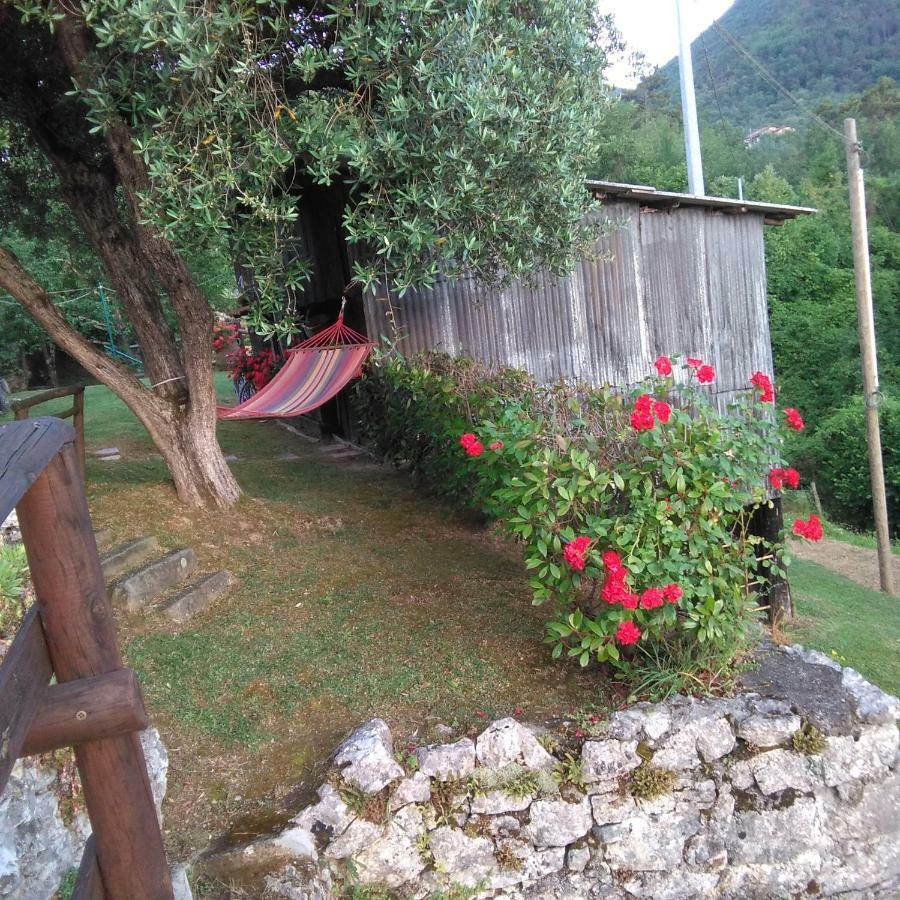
(458, 133)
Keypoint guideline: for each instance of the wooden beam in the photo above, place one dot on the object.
(89, 881)
(44, 396)
(81, 640)
(24, 676)
(86, 710)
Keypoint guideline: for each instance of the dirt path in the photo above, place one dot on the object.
(859, 564)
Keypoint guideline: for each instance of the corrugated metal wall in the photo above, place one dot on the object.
(688, 280)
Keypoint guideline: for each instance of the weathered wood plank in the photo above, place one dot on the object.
(25, 450)
(87, 710)
(89, 881)
(24, 676)
(44, 396)
(81, 640)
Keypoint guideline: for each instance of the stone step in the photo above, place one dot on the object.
(147, 583)
(197, 596)
(125, 557)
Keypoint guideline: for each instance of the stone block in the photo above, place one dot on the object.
(134, 591)
(197, 596)
(125, 557)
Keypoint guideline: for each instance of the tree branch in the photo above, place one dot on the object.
(16, 279)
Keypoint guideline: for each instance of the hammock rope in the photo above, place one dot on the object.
(315, 371)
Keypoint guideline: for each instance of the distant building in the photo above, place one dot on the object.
(775, 130)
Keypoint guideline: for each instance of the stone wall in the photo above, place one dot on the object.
(43, 827)
(788, 788)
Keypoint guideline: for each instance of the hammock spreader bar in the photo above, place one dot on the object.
(315, 371)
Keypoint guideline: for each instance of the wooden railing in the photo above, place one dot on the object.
(95, 704)
(22, 410)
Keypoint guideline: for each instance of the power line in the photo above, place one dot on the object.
(773, 81)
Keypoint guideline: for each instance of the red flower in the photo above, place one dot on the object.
(662, 411)
(575, 553)
(615, 592)
(612, 562)
(628, 633)
(776, 478)
(480, 714)
(706, 374)
(518, 711)
(693, 362)
(764, 383)
(672, 593)
(467, 440)
(652, 598)
(496, 445)
(811, 529)
(579, 733)
(663, 365)
(795, 420)
(642, 417)
(792, 477)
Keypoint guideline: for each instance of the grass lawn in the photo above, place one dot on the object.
(357, 596)
(859, 626)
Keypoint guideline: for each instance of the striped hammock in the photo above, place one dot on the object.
(315, 371)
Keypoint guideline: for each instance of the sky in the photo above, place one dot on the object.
(648, 26)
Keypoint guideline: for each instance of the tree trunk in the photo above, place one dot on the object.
(184, 433)
(48, 349)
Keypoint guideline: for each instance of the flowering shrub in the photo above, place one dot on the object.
(255, 368)
(225, 335)
(633, 511)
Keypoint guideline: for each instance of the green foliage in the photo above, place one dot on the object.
(560, 463)
(462, 129)
(410, 413)
(647, 782)
(570, 770)
(808, 740)
(13, 574)
(837, 454)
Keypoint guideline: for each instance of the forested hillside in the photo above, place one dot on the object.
(817, 49)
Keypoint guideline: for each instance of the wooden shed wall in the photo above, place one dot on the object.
(688, 280)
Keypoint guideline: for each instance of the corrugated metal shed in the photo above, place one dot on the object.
(682, 275)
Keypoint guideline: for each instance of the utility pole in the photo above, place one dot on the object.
(689, 108)
(866, 320)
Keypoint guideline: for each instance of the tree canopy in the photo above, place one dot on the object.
(459, 130)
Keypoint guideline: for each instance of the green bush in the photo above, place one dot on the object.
(837, 453)
(633, 511)
(412, 412)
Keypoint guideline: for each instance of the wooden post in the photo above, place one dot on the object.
(867, 346)
(81, 640)
(78, 425)
(816, 500)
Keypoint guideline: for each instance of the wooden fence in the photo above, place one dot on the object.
(22, 410)
(95, 704)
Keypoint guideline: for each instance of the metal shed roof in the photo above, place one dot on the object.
(773, 213)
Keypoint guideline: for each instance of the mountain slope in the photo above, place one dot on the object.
(815, 48)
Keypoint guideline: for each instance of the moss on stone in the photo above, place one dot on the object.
(808, 740)
(648, 782)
